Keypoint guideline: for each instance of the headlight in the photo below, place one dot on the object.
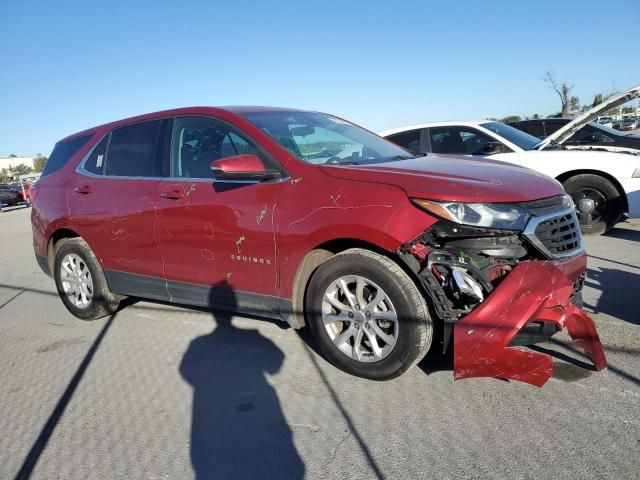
(505, 216)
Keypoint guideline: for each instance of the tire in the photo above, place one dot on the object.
(409, 336)
(102, 301)
(598, 202)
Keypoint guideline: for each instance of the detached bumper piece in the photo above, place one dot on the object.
(533, 292)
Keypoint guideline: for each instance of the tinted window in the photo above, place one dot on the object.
(463, 141)
(552, 127)
(409, 140)
(62, 153)
(95, 163)
(132, 151)
(198, 141)
(532, 128)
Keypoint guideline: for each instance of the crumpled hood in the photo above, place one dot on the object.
(580, 121)
(454, 178)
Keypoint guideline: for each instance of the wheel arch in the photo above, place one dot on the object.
(572, 173)
(318, 255)
(54, 239)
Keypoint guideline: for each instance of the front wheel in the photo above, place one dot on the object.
(598, 203)
(367, 315)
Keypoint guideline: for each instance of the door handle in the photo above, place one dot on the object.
(84, 189)
(172, 194)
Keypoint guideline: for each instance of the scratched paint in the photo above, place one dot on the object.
(261, 214)
(239, 243)
(209, 231)
(295, 181)
(207, 254)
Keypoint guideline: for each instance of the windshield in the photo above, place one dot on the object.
(319, 138)
(515, 136)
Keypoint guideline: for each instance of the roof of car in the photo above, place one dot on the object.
(555, 119)
(234, 109)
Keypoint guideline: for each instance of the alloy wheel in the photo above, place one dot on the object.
(359, 318)
(76, 280)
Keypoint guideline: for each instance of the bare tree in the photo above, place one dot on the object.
(563, 90)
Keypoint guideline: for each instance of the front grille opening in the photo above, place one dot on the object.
(560, 235)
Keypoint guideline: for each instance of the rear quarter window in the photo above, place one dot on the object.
(62, 153)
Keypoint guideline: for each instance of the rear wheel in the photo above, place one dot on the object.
(80, 281)
(367, 315)
(598, 203)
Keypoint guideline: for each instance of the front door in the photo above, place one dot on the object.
(215, 236)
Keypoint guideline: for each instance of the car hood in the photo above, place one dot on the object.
(454, 178)
(580, 121)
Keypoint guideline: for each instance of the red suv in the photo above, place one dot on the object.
(306, 217)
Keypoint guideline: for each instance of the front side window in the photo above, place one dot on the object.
(323, 139)
(132, 151)
(463, 141)
(62, 153)
(409, 140)
(198, 141)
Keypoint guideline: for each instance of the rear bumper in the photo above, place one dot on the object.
(537, 291)
(43, 263)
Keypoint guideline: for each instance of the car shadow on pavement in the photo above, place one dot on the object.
(238, 429)
(619, 296)
(624, 234)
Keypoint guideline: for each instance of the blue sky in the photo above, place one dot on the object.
(67, 66)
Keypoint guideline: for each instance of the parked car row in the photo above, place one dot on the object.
(303, 216)
(14, 194)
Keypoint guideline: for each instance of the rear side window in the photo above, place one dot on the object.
(409, 140)
(62, 153)
(96, 161)
(132, 151)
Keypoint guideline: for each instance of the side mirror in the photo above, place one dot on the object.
(492, 148)
(242, 168)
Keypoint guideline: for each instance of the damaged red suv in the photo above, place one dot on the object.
(308, 218)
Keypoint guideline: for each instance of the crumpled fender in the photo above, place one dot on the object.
(533, 291)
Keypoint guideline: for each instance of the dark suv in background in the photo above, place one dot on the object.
(591, 135)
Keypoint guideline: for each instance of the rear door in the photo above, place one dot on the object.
(215, 234)
(113, 204)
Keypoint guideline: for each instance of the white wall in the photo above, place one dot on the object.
(6, 162)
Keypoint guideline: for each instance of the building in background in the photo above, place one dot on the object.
(6, 162)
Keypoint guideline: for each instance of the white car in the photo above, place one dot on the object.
(605, 186)
(628, 123)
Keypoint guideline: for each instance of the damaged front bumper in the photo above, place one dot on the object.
(534, 291)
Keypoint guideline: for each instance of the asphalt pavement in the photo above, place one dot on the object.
(158, 392)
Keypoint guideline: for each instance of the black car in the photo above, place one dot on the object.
(9, 196)
(592, 135)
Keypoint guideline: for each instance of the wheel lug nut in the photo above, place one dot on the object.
(350, 314)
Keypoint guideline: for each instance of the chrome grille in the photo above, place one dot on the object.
(554, 228)
(560, 235)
